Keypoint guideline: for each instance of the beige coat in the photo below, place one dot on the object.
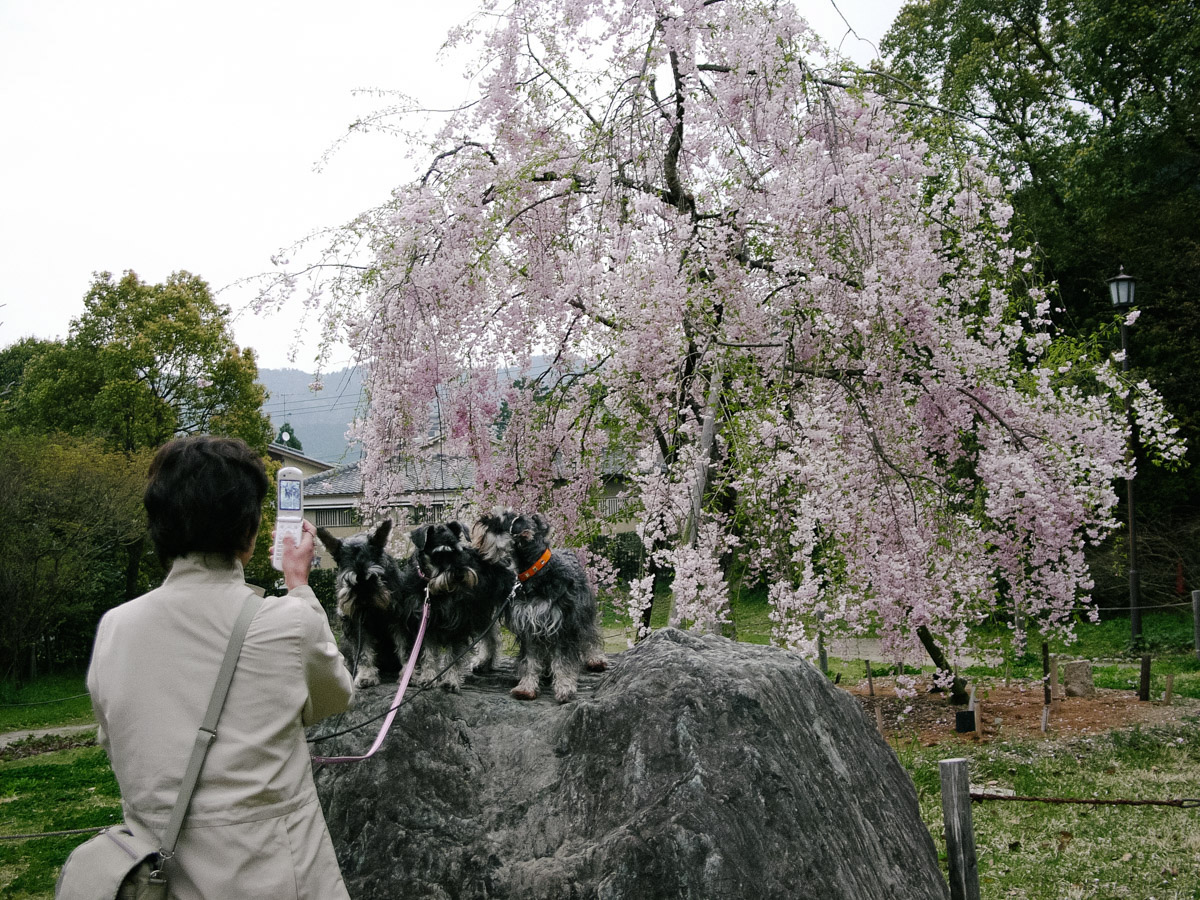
(254, 829)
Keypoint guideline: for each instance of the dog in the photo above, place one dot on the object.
(466, 593)
(380, 601)
(553, 613)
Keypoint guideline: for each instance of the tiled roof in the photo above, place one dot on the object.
(438, 473)
(341, 480)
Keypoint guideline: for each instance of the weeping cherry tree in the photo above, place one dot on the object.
(809, 342)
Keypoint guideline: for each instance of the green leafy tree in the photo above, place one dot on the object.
(145, 363)
(287, 437)
(1091, 111)
(70, 507)
(13, 360)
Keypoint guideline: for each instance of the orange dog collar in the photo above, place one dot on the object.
(536, 567)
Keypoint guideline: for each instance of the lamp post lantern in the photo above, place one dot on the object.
(1121, 290)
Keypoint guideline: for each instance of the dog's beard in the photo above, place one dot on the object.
(350, 592)
(449, 580)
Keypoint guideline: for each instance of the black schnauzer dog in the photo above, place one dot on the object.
(466, 592)
(553, 613)
(380, 600)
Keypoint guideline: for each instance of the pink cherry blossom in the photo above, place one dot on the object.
(805, 338)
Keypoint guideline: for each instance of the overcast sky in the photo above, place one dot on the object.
(157, 136)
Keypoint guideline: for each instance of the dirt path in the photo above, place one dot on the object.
(10, 737)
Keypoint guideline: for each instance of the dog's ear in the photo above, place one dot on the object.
(332, 544)
(541, 525)
(418, 537)
(380, 536)
(456, 528)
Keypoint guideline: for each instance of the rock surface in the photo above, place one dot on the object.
(695, 767)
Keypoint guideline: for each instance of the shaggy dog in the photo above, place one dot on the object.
(466, 593)
(553, 613)
(380, 600)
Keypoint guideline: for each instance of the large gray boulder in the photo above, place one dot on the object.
(695, 767)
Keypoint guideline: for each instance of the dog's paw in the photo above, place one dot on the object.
(597, 665)
(523, 694)
(366, 679)
(564, 695)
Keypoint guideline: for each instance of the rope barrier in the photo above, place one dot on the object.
(42, 702)
(40, 834)
(1185, 803)
(1143, 608)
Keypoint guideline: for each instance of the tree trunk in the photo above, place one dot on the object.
(133, 566)
(958, 687)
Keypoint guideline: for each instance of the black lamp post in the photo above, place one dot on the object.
(1121, 290)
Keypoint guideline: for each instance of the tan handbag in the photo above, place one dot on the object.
(116, 864)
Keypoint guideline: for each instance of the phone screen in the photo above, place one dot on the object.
(289, 495)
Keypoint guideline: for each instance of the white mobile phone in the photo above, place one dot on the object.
(289, 511)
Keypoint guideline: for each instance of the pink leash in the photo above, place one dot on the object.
(404, 678)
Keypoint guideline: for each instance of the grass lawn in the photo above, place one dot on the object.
(1039, 851)
(42, 704)
(55, 791)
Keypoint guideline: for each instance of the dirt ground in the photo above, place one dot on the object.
(1013, 711)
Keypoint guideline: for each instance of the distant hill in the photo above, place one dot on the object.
(320, 418)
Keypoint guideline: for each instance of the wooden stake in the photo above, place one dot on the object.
(1055, 687)
(1045, 718)
(978, 722)
(960, 836)
(1170, 691)
(1196, 621)
(879, 718)
(1144, 684)
(1046, 674)
(870, 680)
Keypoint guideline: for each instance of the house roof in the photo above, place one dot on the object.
(287, 454)
(439, 473)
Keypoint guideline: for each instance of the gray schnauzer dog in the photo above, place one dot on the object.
(553, 613)
(380, 601)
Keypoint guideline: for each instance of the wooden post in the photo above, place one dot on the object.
(822, 657)
(879, 718)
(1196, 621)
(1046, 694)
(978, 722)
(1170, 691)
(870, 680)
(1144, 684)
(960, 836)
(1055, 687)
(1045, 673)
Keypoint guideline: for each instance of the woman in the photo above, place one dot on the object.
(254, 828)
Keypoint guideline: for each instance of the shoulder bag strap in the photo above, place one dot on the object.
(208, 729)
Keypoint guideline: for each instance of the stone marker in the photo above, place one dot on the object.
(1077, 678)
(696, 767)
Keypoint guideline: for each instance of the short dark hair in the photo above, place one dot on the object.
(205, 496)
